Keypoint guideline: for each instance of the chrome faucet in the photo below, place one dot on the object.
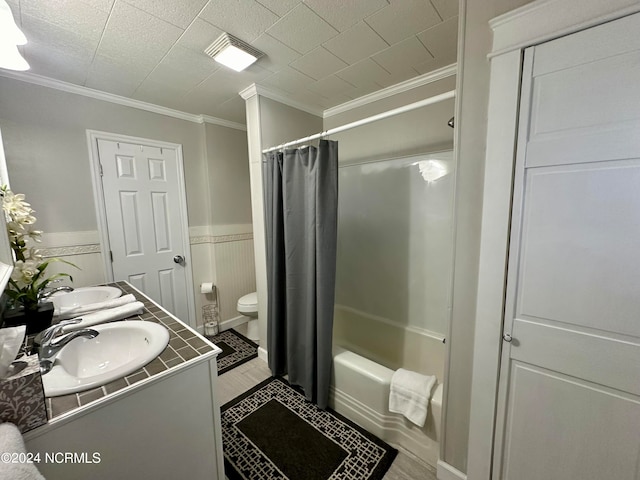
(49, 348)
(48, 293)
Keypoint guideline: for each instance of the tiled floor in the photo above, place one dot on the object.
(242, 378)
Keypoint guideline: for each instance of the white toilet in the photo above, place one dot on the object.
(248, 306)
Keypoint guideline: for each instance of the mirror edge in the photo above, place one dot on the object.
(6, 256)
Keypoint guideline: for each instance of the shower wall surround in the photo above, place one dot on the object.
(395, 258)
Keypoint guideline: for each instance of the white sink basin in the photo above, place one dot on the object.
(120, 348)
(84, 296)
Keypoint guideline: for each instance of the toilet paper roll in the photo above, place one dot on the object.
(206, 287)
(210, 329)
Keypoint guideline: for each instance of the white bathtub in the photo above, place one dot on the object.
(360, 392)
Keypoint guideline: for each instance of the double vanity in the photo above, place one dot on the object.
(134, 399)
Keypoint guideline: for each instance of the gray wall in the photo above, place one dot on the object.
(44, 132)
(281, 123)
(419, 131)
(473, 95)
(228, 173)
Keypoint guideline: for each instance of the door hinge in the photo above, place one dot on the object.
(101, 171)
(111, 255)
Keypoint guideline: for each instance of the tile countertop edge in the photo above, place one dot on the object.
(130, 389)
(217, 350)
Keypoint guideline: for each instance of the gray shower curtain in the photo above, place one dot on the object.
(301, 209)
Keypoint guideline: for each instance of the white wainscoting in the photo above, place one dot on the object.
(221, 254)
(235, 269)
(202, 268)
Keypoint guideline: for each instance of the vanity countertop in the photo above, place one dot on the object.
(186, 346)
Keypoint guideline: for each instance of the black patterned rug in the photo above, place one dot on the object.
(272, 432)
(236, 350)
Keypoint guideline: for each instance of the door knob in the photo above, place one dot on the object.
(178, 259)
(507, 337)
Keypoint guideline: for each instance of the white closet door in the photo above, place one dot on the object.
(142, 200)
(569, 400)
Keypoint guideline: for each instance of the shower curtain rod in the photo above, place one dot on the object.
(364, 121)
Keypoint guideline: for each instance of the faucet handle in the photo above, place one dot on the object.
(49, 334)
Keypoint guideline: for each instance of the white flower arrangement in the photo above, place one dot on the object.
(27, 280)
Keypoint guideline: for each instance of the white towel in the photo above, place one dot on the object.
(72, 312)
(11, 442)
(410, 394)
(109, 315)
(10, 342)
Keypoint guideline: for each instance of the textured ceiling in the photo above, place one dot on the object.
(318, 52)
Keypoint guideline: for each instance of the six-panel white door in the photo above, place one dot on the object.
(569, 399)
(142, 204)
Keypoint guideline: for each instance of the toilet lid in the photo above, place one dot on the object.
(249, 299)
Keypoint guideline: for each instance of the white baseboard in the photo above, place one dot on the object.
(227, 324)
(263, 354)
(233, 322)
(447, 472)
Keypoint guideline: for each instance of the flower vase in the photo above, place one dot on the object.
(36, 320)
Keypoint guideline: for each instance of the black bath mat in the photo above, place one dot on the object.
(236, 350)
(272, 432)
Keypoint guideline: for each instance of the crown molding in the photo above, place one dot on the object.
(247, 93)
(117, 99)
(544, 20)
(222, 122)
(250, 91)
(253, 90)
(401, 87)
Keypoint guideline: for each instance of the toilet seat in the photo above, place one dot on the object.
(248, 304)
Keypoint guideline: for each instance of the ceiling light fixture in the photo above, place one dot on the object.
(10, 33)
(11, 59)
(233, 52)
(10, 37)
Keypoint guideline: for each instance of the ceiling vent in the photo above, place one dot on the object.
(233, 52)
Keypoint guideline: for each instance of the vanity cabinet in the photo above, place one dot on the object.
(165, 426)
(168, 429)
